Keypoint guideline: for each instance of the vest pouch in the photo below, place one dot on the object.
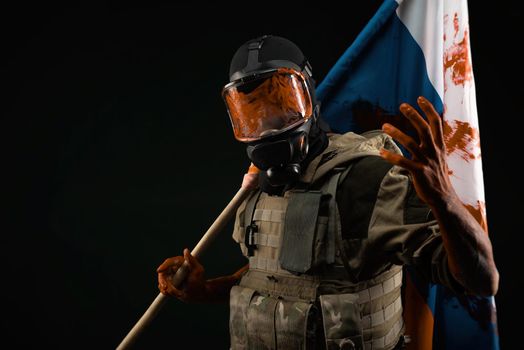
(252, 319)
(342, 321)
(295, 324)
(258, 321)
(239, 300)
(298, 242)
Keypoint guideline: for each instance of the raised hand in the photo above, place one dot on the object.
(428, 164)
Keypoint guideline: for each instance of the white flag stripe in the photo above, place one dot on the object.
(460, 103)
(441, 30)
(423, 19)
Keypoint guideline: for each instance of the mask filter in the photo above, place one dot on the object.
(281, 158)
(282, 175)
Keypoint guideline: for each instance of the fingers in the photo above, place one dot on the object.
(173, 264)
(169, 289)
(250, 181)
(397, 159)
(195, 267)
(170, 264)
(404, 139)
(165, 274)
(172, 290)
(191, 260)
(166, 271)
(164, 284)
(435, 121)
(241, 271)
(419, 124)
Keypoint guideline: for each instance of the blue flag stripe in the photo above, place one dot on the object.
(384, 67)
(343, 65)
(383, 75)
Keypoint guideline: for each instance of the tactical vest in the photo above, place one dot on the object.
(296, 292)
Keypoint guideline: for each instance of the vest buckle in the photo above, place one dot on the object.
(250, 239)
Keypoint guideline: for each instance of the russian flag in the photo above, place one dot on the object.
(408, 49)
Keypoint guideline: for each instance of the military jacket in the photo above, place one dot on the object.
(326, 257)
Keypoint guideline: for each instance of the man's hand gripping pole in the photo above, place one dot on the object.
(248, 184)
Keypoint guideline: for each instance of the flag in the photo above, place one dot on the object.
(414, 48)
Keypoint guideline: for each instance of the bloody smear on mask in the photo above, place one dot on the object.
(276, 103)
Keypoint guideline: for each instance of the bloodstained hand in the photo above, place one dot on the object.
(428, 164)
(193, 289)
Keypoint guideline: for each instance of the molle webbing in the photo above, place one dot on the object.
(264, 264)
(269, 215)
(262, 239)
(383, 315)
(387, 341)
(304, 244)
(287, 286)
(284, 246)
(390, 283)
(378, 302)
(381, 307)
(370, 291)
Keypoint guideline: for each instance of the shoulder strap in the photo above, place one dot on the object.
(334, 233)
(250, 208)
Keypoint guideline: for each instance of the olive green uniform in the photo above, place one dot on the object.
(325, 259)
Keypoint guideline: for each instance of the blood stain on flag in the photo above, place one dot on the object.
(456, 24)
(457, 57)
(461, 137)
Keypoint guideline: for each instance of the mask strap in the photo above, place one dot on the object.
(254, 48)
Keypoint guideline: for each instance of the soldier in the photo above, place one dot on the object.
(333, 219)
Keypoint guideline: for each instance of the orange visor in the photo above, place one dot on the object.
(268, 104)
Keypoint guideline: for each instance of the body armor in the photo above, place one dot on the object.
(297, 293)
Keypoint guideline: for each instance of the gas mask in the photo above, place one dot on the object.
(272, 113)
(271, 107)
(281, 156)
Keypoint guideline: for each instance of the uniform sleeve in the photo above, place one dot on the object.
(403, 227)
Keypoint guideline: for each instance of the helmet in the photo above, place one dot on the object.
(270, 99)
(270, 89)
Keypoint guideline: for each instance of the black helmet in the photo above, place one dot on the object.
(271, 103)
(266, 52)
(270, 91)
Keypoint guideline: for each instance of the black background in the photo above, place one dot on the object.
(121, 155)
